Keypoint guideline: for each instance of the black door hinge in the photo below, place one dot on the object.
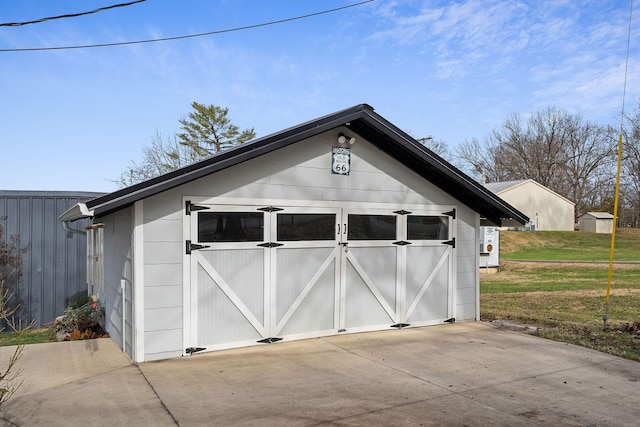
(401, 212)
(270, 209)
(451, 242)
(269, 340)
(193, 247)
(270, 245)
(401, 243)
(400, 325)
(188, 208)
(192, 350)
(451, 213)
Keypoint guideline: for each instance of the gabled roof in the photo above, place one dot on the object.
(501, 187)
(599, 215)
(363, 121)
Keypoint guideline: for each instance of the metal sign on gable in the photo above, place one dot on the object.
(340, 160)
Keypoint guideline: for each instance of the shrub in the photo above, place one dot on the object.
(81, 320)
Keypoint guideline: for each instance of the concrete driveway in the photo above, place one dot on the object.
(465, 374)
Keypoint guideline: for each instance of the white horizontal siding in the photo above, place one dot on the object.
(163, 274)
(466, 312)
(467, 280)
(163, 230)
(118, 265)
(164, 318)
(467, 275)
(163, 252)
(162, 297)
(162, 344)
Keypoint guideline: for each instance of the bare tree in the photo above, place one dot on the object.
(590, 163)
(162, 156)
(532, 150)
(479, 160)
(438, 146)
(11, 253)
(630, 182)
(561, 151)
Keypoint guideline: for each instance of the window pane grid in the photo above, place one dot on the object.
(304, 227)
(427, 227)
(230, 227)
(372, 227)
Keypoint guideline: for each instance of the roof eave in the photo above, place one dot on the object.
(223, 160)
(76, 212)
(363, 120)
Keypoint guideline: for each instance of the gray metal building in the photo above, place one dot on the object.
(54, 268)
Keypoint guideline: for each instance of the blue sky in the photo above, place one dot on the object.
(74, 119)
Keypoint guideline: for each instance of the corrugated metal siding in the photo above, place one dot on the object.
(54, 268)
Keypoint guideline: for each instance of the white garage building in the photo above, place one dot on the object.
(547, 209)
(338, 225)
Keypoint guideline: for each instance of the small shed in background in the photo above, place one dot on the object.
(596, 222)
(546, 209)
(54, 267)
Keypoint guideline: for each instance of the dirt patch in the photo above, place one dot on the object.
(511, 241)
(631, 327)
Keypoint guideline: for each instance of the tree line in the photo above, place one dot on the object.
(565, 152)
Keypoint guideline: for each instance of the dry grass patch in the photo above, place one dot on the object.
(567, 300)
(574, 317)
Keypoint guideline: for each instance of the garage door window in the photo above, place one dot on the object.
(372, 227)
(427, 227)
(230, 227)
(299, 227)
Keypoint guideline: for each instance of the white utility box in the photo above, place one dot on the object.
(489, 249)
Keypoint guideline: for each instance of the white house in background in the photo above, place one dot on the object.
(546, 209)
(338, 225)
(596, 222)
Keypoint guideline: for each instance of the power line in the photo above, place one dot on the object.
(70, 15)
(210, 33)
(626, 66)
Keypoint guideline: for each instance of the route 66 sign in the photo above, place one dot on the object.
(340, 160)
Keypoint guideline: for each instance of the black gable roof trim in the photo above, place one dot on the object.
(364, 122)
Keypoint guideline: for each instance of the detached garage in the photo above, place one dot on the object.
(547, 209)
(341, 224)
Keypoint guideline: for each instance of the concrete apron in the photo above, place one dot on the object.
(460, 374)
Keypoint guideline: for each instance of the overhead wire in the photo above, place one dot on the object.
(208, 33)
(605, 316)
(69, 15)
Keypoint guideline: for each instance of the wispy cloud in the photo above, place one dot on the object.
(559, 52)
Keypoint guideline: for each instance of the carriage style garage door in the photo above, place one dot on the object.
(265, 273)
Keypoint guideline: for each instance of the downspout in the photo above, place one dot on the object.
(65, 225)
(76, 212)
(123, 287)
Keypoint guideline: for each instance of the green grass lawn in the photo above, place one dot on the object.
(549, 277)
(568, 300)
(569, 245)
(35, 336)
